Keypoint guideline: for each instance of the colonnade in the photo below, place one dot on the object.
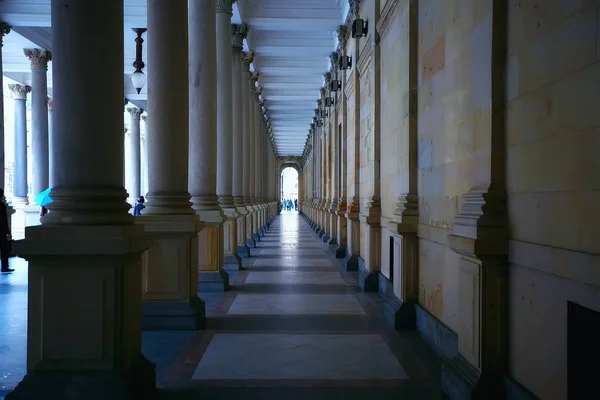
(211, 191)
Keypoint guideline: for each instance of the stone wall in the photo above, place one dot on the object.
(553, 174)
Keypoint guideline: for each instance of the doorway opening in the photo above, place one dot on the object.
(289, 189)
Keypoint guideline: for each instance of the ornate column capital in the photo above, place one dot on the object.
(342, 34)
(334, 58)
(254, 77)
(354, 7)
(258, 91)
(144, 118)
(39, 58)
(50, 102)
(19, 92)
(225, 6)
(327, 78)
(135, 112)
(4, 30)
(247, 58)
(323, 93)
(238, 34)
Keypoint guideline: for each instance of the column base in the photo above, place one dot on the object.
(340, 251)
(250, 243)
(351, 262)
(462, 381)
(325, 238)
(243, 250)
(256, 238)
(137, 382)
(321, 232)
(367, 280)
(332, 241)
(213, 281)
(174, 315)
(399, 314)
(232, 262)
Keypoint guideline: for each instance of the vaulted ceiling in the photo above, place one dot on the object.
(291, 40)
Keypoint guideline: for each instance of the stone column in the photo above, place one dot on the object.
(253, 78)
(256, 159)
(203, 143)
(135, 155)
(143, 158)
(231, 260)
(238, 34)
(4, 30)
(39, 59)
(171, 281)
(19, 94)
(85, 258)
(51, 165)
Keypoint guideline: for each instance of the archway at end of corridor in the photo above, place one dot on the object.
(289, 189)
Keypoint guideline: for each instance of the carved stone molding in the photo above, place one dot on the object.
(135, 112)
(39, 58)
(144, 118)
(50, 102)
(247, 58)
(225, 6)
(389, 14)
(254, 77)
(364, 60)
(19, 92)
(258, 91)
(238, 34)
(4, 30)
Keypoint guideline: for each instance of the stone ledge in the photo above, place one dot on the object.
(174, 315)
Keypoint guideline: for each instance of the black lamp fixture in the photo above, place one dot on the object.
(316, 112)
(319, 122)
(359, 28)
(345, 62)
(335, 85)
(328, 101)
(323, 113)
(138, 79)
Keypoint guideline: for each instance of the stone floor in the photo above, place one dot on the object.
(294, 325)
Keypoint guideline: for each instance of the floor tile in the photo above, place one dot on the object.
(293, 262)
(284, 356)
(295, 277)
(286, 304)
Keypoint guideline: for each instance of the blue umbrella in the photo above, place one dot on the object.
(43, 199)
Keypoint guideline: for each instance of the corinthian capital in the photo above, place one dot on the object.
(238, 34)
(342, 34)
(247, 58)
(19, 92)
(254, 76)
(38, 57)
(4, 30)
(50, 102)
(258, 91)
(135, 112)
(334, 59)
(323, 92)
(354, 6)
(225, 6)
(327, 77)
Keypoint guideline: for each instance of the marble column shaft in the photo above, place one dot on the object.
(51, 160)
(224, 105)
(238, 34)
(251, 140)
(4, 30)
(135, 157)
(39, 59)
(19, 94)
(247, 59)
(168, 109)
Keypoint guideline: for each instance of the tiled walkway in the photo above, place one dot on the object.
(293, 326)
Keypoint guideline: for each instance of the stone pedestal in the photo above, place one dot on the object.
(211, 276)
(86, 278)
(250, 242)
(170, 273)
(231, 261)
(243, 250)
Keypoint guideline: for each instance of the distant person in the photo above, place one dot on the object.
(296, 204)
(139, 206)
(43, 211)
(5, 236)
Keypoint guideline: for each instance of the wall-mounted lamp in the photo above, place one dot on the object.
(359, 28)
(316, 112)
(345, 62)
(323, 113)
(319, 122)
(138, 79)
(334, 86)
(328, 102)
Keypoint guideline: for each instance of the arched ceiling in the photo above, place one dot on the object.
(291, 39)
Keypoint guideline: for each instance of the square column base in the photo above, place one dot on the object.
(174, 315)
(137, 381)
(340, 251)
(243, 250)
(232, 262)
(367, 280)
(250, 243)
(351, 262)
(213, 281)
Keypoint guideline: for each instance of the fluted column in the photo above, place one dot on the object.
(4, 30)
(249, 151)
(143, 158)
(238, 34)
(170, 295)
(231, 260)
(247, 59)
(256, 160)
(19, 95)
(85, 258)
(39, 59)
(135, 154)
(203, 143)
